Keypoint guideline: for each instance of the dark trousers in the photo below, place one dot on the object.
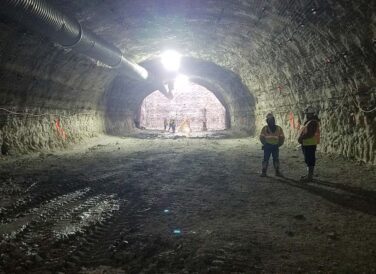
(271, 150)
(309, 155)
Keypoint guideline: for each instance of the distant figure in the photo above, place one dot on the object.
(136, 123)
(185, 127)
(204, 127)
(309, 138)
(172, 125)
(165, 123)
(272, 138)
(204, 120)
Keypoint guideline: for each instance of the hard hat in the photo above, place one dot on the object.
(269, 115)
(309, 110)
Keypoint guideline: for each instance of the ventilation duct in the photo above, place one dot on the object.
(45, 19)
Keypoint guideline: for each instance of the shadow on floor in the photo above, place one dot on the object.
(347, 196)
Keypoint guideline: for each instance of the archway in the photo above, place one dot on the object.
(193, 108)
(124, 98)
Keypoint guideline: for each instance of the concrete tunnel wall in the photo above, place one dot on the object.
(289, 54)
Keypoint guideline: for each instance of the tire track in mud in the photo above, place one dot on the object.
(120, 238)
(56, 185)
(54, 221)
(107, 242)
(80, 220)
(66, 238)
(42, 191)
(41, 214)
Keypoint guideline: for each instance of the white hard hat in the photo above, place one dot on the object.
(309, 110)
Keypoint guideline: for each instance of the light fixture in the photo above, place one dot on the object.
(171, 60)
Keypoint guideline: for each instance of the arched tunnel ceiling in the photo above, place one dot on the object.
(253, 38)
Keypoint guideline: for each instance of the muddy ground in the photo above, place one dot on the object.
(126, 205)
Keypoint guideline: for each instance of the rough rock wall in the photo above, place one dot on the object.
(49, 97)
(122, 103)
(327, 60)
(41, 131)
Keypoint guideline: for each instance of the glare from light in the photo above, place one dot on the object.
(181, 81)
(171, 60)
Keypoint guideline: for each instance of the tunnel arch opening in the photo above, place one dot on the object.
(124, 97)
(193, 108)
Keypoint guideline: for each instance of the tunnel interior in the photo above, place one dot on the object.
(89, 180)
(257, 57)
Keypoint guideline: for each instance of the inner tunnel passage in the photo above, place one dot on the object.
(193, 108)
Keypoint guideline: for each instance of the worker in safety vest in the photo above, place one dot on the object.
(272, 138)
(309, 138)
(172, 125)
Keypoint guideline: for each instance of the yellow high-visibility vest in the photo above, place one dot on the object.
(315, 139)
(272, 138)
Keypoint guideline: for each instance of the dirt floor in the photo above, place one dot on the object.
(179, 205)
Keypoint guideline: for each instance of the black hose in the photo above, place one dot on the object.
(45, 19)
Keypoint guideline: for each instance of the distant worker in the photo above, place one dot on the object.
(204, 120)
(309, 138)
(185, 127)
(272, 138)
(204, 126)
(165, 123)
(172, 125)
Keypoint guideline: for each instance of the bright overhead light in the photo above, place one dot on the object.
(180, 81)
(171, 60)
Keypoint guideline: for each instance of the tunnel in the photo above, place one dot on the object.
(262, 161)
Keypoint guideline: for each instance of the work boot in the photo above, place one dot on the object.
(276, 167)
(263, 173)
(278, 173)
(309, 177)
(264, 169)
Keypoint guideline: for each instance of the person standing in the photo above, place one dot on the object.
(204, 120)
(272, 138)
(165, 123)
(204, 126)
(309, 138)
(172, 125)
